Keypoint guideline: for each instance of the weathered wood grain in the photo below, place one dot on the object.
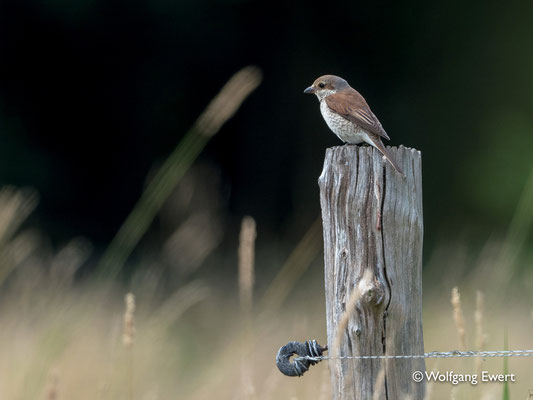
(373, 229)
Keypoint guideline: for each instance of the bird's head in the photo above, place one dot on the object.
(326, 85)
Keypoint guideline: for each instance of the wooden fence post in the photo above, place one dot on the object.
(373, 228)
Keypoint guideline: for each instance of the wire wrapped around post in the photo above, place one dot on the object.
(299, 366)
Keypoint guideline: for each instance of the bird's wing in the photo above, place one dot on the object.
(352, 106)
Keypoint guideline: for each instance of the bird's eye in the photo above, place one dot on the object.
(321, 85)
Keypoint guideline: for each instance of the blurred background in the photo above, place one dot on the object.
(95, 95)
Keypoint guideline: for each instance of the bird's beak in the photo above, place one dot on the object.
(309, 90)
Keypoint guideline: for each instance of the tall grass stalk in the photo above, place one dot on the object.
(52, 388)
(246, 285)
(246, 264)
(380, 382)
(458, 317)
(517, 233)
(128, 336)
(351, 305)
(342, 325)
(481, 337)
(505, 394)
(430, 385)
(128, 333)
(15, 206)
(297, 263)
(221, 108)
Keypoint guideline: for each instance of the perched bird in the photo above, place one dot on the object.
(348, 115)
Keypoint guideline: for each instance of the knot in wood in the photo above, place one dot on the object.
(372, 294)
(344, 253)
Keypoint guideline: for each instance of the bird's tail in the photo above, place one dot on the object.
(378, 144)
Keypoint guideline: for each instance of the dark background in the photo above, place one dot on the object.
(94, 93)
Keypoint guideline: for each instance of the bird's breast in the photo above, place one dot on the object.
(346, 130)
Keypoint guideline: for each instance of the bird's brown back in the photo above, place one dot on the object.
(351, 105)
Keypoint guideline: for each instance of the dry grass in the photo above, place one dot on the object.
(128, 331)
(64, 340)
(163, 183)
(481, 336)
(354, 298)
(298, 262)
(246, 264)
(458, 317)
(380, 380)
(195, 355)
(52, 388)
(246, 293)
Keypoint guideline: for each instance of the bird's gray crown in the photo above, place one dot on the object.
(327, 85)
(331, 82)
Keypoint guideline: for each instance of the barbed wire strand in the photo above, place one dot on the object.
(433, 354)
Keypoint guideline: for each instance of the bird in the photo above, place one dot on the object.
(348, 115)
